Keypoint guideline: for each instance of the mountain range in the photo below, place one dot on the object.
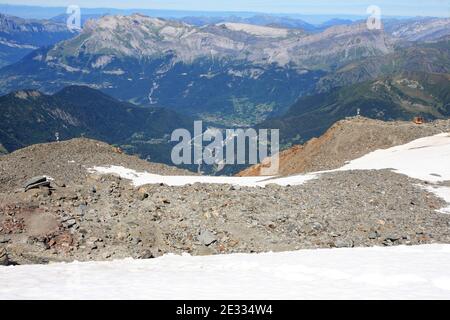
(19, 37)
(130, 80)
(28, 117)
(400, 97)
(229, 73)
(42, 12)
(427, 57)
(91, 183)
(212, 72)
(257, 19)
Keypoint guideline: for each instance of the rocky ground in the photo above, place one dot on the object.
(347, 140)
(67, 162)
(86, 216)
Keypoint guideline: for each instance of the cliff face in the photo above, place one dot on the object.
(19, 37)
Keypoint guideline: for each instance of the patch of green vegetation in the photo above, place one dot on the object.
(70, 48)
(380, 99)
(82, 111)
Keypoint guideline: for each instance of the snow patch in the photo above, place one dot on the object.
(7, 43)
(443, 193)
(117, 72)
(143, 178)
(256, 30)
(424, 159)
(102, 61)
(415, 272)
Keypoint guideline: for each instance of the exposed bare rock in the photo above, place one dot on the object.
(100, 217)
(348, 140)
(142, 36)
(3, 257)
(425, 29)
(67, 162)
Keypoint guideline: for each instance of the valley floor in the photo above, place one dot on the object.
(414, 272)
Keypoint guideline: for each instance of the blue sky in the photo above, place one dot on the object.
(347, 7)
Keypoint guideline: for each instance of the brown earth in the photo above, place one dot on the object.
(67, 162)
(87, 216)
(348, 140)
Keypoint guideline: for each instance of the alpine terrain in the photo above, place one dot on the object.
(117, 180)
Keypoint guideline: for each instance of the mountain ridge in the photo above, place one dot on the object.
(346, 140)
(29, 117)
(399, 97)
(215, 70)
(19, 37)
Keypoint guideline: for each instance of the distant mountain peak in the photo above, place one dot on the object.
(19, 37)
(29, 117)
(114, 21)
(262, 31)
(141, 37)
(228, 72)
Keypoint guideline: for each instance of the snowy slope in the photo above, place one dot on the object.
(426, 159)
(443, 193)
(420, 272)
(142, 178)
(256, 30)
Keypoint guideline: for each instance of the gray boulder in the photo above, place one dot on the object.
(36, 182)
(206, 238)
(3, 257)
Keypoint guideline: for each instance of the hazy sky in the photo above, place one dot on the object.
(348, 7)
